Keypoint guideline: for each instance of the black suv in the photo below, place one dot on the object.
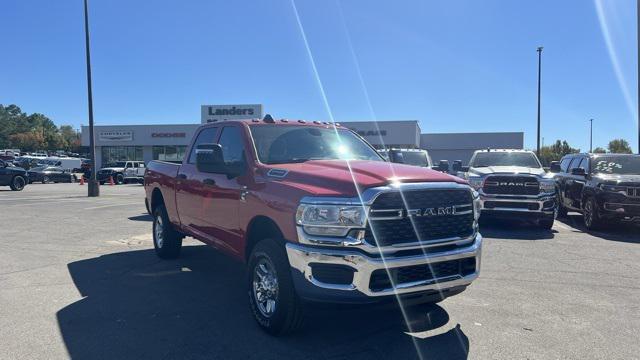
(603, 187)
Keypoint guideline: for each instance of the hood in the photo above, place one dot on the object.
(337, 177)
(619, 179)
(480, 171)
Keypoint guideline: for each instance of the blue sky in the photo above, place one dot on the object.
(455, 65)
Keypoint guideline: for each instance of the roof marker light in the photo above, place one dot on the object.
(268, 119)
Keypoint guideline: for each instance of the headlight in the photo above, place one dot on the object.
(477, 206)
(614, 188)
(476, 182)
(330, 220)
(547, 186)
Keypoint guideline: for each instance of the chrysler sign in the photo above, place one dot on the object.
(211, 113)
(115, 135)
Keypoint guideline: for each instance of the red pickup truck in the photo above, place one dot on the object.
(316, 214)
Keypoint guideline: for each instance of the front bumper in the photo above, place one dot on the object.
(303, 258)
(518, 205)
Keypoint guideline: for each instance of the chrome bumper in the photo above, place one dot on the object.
(301, 256)
(525, 199)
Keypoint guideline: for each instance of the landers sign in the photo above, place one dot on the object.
(211, 113)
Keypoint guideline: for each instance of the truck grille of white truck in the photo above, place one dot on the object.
(420, 215)
(511, 185)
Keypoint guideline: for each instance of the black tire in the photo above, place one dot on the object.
(18, 183)
(101, 182)
(45, 179)
(286, 316)
(167, 242)
(119, 179)
(546, 223)
(591, 214)
(562, 211)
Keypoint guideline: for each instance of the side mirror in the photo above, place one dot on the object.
(209, 159)
(554, 167)
(464, 168)
(457, 166)
(443, 165)
(578, 172)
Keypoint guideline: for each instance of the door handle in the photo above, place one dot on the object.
(209, 182)
(182, 176)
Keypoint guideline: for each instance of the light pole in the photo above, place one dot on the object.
(93, 187)
(590, 135)
(539, 81)
(638, 37)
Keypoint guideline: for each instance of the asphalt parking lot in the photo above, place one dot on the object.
(78, 278)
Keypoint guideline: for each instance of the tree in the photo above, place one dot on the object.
(556, 151)
(599, 150)
(619, 146)
(28, 141)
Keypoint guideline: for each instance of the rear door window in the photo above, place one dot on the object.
(206, 136)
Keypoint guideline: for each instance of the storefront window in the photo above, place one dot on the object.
(121, 153)
(169, 153)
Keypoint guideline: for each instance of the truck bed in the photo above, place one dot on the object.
(162, 175)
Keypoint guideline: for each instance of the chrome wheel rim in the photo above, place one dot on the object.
(265, 287)
(159, 232)
(588, 213)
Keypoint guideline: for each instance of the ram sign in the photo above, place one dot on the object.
(210, 113)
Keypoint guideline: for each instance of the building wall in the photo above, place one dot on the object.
(146, 136)
(399, 134)
(402, 133)
(461, 146)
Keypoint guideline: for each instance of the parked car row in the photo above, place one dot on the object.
(605, 188)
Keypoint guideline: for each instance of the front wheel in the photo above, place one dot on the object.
(272, 297)
(119, 179)
(18, 183)
(45, 179)
(167, 242)
(562, 210)
(592, 218)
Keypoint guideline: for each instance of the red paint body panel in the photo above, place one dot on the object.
(215, 214)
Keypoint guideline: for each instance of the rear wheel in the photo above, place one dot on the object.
(18, 183)
(167, 242)
(592, 218)
(272, 297)
(45, 179)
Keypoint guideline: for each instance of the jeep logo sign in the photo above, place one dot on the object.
(211, 113)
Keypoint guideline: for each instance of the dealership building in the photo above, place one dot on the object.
(169, 142)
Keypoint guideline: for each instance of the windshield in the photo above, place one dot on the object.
(117, 164)
(523, 159)
(416, 158)
(620, 165)
(288, 144)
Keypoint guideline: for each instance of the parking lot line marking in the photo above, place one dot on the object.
(111, 205)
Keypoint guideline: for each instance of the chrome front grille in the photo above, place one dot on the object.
(420, 215)
(511, 185)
